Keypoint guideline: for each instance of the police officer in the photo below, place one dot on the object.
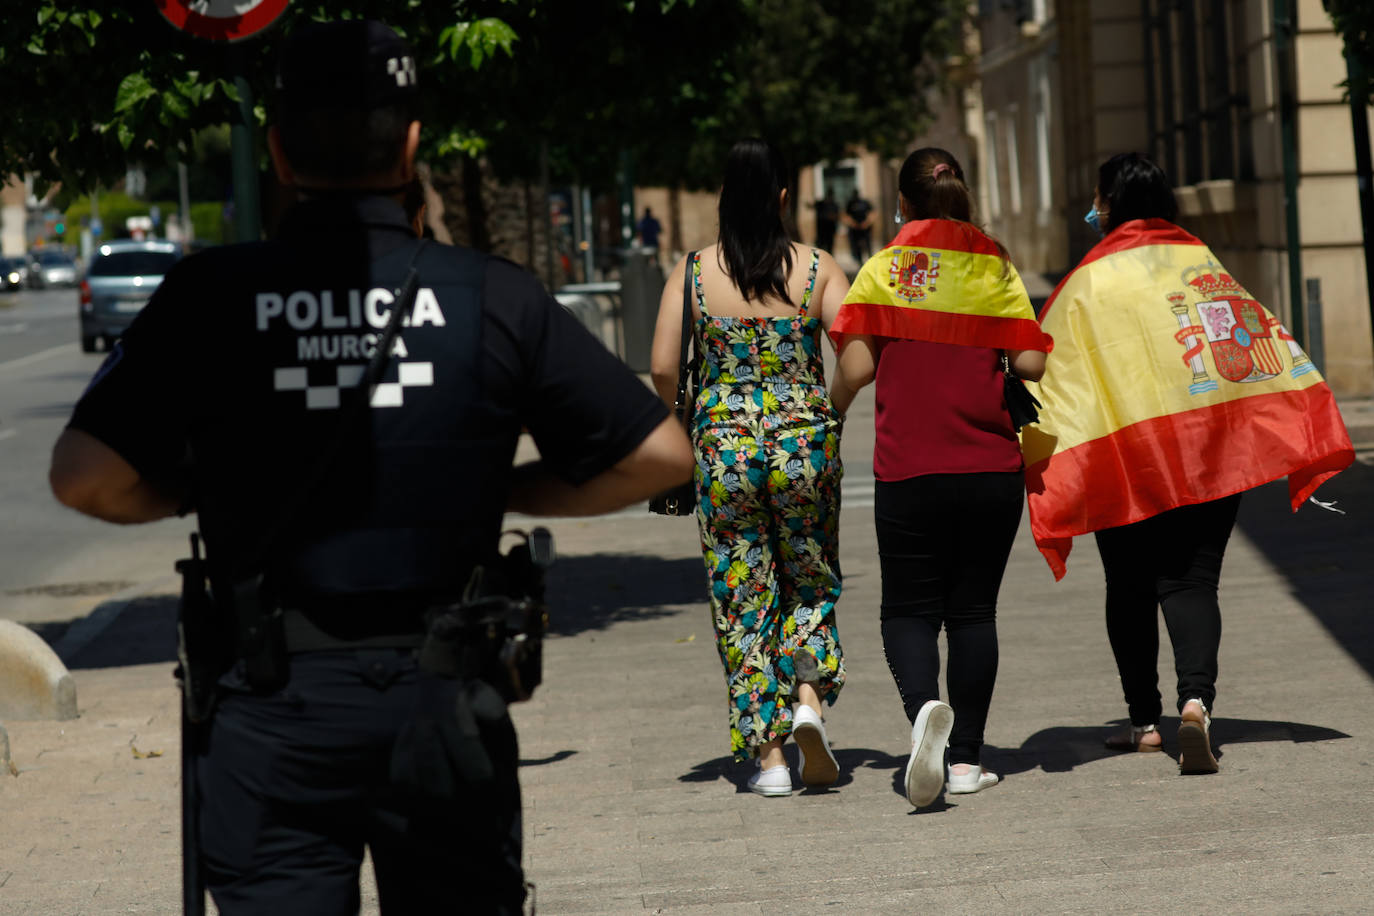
(236, 391)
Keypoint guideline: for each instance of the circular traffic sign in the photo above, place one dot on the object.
(221, 20)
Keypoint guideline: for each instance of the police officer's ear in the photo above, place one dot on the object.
(412, 146)
(280, 164)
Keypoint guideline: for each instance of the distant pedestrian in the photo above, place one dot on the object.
(827, 220)
(767, 447)
(932, 318)
(859, 218)
(1171, 391)
(648, 228)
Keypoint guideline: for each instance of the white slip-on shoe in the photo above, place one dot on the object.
(817, 764)
(925, 770)
(772, 781)
(966, 778)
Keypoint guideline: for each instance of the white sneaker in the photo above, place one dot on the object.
(925, 770)
(817, 764)
(966, 778)
(772, 781)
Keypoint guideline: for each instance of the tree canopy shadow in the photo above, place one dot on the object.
(143, 632)
(1325, 557)
(594, 591)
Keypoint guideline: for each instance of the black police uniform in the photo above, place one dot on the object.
(235, 376)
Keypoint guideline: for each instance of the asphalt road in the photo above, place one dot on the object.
(54, 562)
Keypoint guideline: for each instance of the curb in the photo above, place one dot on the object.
(34, 683)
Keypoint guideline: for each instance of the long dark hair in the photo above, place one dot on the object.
(1134, 187)
(753, 241)
(942, 196)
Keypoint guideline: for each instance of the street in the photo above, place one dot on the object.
(54, 563)
(632, 804)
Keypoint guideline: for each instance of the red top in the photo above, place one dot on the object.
(940, 410)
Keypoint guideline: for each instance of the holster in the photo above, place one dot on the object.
(260, 637)
(203, 643)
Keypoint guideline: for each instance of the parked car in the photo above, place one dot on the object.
(52, 267)
(14, 273)
(119, 279)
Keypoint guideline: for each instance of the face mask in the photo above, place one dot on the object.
(1094, 219)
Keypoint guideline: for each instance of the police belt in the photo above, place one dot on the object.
(380, 628)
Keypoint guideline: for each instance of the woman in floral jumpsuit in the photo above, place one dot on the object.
(768, 473)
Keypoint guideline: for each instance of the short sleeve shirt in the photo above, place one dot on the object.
(940, 409)
(235, 374)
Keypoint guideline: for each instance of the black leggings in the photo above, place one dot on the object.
(1170, 561)
(943, 542)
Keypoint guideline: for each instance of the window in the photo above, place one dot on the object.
(1040, 76)
(1198, 122)
(992, 179)
(1013, 162)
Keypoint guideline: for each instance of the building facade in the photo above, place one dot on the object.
(1200, 86)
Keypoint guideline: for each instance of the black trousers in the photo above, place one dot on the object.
(1170, 561)
(295, 784)
(943, 543)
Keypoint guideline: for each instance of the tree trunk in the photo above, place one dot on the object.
(479, 235)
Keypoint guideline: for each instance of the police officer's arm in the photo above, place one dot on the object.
(661, 460)
(605, 440)
(122, 457)
(92, 478)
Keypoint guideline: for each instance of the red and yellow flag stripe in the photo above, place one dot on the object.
(1170, 386)
(942, 281)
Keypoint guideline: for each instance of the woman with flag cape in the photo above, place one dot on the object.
(933, 318)
(1172, 391)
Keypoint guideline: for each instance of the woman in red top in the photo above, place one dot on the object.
(948, 499)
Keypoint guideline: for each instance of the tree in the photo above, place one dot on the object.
(1355, 22)
(534, 87)
(93, 84)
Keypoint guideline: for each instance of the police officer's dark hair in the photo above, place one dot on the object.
(343, 144)
(1134, 187)
(754, 243)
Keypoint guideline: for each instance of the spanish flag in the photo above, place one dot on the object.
(1170, 386)
(942, 281)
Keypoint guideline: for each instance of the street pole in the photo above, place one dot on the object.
(244, 155)
(1283, 29)
(1358, 82)
(183, 189)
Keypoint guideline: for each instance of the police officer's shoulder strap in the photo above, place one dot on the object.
(403, 301)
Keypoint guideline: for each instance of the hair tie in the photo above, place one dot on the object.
(940, 170)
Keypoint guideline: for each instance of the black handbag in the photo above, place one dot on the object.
(1021, 404)
(682, 499)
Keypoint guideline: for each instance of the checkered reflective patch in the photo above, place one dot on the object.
(326, 397)
(403, 68)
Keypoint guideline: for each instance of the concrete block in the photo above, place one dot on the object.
(34, 684)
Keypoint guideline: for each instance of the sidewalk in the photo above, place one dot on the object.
(634, 806)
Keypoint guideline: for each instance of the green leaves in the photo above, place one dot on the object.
(133, 89)
(478, 40)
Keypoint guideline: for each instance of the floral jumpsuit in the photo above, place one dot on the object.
(766, 441)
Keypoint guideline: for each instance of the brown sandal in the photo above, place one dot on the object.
(1194, 740)
(1134, 740)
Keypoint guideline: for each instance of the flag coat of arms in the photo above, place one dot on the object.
(943, 281)
(1170, 386)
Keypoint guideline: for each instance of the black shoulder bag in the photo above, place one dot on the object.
(682, 499)
(1021, 404)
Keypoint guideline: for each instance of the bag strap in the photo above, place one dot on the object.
(403, 300)
(683, 366)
